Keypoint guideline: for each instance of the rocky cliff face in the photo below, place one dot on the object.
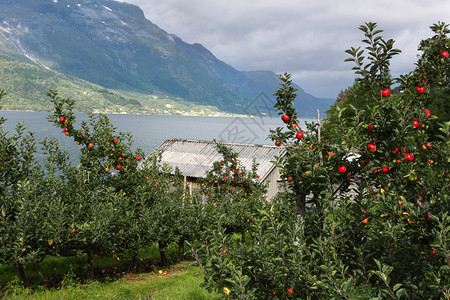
(112, 44)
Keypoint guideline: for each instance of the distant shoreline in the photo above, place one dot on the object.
(226, 115)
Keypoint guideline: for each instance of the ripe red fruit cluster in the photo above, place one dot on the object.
(420, 89)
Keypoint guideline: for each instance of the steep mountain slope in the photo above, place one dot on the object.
(111, 44)
(27, 86)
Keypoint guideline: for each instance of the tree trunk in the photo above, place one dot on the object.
(301, 202)
(181, 249)
(134, 262)
(21, 275)
(162, 249)
(90, 264)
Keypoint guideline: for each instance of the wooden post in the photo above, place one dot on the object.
(319, 137)
(184, 190)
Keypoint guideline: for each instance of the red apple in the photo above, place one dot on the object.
(115, 141)
(409, 157)
(385, 92)
(428, 113)
(396, 150)
(66, 133)
(342, 169)
(118, 166)
(277, 143)
(91, 145)
(371, 147)
(61, 119)
(289, 179)
(285, 118)
(138, 157)
(384, 169)
(416, 123)
(370, 127)
(294, 125)
(444, 54)
(299, 135)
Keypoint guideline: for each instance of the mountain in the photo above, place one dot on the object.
(113, 45)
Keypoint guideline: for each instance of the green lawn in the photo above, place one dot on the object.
(179, 283)
(62, 278)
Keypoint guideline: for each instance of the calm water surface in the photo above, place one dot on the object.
(149, 131)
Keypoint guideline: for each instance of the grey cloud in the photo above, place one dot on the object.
(305, 38)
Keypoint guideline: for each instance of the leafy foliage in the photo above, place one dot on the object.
(365, 214)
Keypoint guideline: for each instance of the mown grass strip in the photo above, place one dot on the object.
(178, 283)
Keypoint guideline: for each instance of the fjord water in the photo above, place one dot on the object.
(149, 131)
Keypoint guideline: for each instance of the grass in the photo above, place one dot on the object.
(179, 283)
(64, 278)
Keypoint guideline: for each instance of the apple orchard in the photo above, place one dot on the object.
(364, 215)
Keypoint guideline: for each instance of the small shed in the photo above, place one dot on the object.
(194, 158)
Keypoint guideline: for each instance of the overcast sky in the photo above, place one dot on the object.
(304, 38)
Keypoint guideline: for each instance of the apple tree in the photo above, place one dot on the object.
(232, 191)
(100, 192)
(366, 210)
(21, 209)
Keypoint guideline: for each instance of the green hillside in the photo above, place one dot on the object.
(27, 86)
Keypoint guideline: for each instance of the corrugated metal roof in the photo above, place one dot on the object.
(194, 158)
